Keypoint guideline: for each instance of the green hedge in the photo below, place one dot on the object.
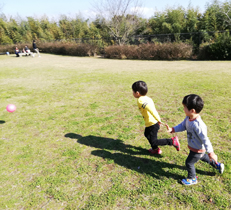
(219, 50)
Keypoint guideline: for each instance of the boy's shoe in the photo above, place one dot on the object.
(189, 181)
(156, 151)
(220, 167)
(176, 143)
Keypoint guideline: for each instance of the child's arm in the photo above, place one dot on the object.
(178, 128)
(201, 133)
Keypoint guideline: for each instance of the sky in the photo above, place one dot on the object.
(72, 8)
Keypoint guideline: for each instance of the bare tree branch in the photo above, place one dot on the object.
(225, 8)
(227, 15)
(121, 17)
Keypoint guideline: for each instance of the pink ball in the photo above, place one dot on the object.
(11, 108)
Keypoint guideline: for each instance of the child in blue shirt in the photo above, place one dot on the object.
(198, 141)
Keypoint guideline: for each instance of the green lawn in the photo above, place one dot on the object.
(76, 139)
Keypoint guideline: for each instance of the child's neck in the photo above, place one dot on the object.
(141, 96)
(193, 116)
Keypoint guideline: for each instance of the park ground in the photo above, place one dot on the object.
(76, 139)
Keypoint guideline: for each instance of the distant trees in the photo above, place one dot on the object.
(18, 30)
(117, 20)
(179, 20)
(169, 21)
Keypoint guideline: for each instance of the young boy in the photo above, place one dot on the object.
(35, 48)
(198, 142)
(151, 118)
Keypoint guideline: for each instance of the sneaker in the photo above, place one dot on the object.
(189, 181)
(156, 151)
(176, 143)
(220, 167)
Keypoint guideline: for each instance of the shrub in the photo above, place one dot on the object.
(219, 50)
(68, 48)
(11, 48)
(114, 51)
(61, 48)
(149, 51)
(166, 51)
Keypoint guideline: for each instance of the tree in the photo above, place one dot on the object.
(172, 20)
(217, 16)
(192, 19)
(226, 10)
(121, 17)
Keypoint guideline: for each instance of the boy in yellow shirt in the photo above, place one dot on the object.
(151, 118)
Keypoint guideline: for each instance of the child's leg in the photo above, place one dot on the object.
(151, 134)
(206, 159)
(192, 158)
(218, 166)
(37, 51)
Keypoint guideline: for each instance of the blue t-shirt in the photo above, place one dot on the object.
(198, 140)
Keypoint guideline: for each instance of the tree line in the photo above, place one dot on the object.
(216, 17)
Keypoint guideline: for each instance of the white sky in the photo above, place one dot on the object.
(71, 8)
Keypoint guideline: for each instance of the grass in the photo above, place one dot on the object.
(76, 139)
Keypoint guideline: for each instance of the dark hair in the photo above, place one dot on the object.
(141, 87)
(193, 101)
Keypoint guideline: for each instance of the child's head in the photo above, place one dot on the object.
(140, 88)
(193, 101)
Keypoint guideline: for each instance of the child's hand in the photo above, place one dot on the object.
(168, 128)
(213, 156)
(160, 123)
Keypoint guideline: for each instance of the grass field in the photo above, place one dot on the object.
(76, 139)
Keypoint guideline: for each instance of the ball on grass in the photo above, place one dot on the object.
(11, 108)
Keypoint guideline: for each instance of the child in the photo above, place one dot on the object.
(27, 49)
(198, 142)
(35, 48)
(151, 118)
(17, 51)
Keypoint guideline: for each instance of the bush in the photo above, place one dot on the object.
(166, 51)
(11, 48)
(219, 50)
(68, 48)
(61, 48)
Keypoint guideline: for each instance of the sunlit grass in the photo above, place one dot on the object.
(76, 139)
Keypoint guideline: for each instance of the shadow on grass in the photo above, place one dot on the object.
(154, 168)
(125, 157)
(107, 143)
(2, 121)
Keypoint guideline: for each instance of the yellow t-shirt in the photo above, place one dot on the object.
(148, 110)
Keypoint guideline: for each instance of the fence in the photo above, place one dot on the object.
(193, 38)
